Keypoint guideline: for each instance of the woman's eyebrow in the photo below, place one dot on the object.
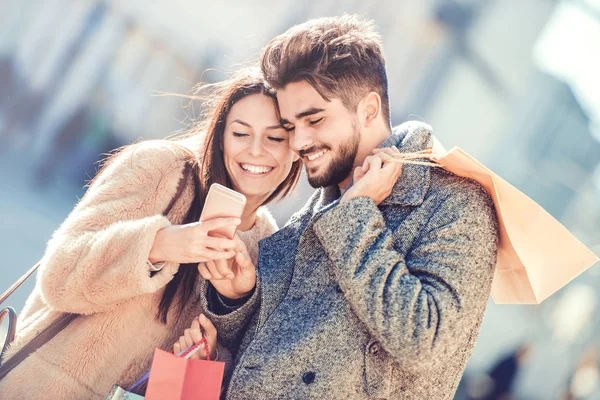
(239, 121)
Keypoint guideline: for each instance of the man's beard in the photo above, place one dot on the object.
(340, 167)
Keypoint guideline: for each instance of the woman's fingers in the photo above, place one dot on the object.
(217, 223)
(210, 254)
(182, 345)
(188, 337)
(210, 333)
(176, 348)
(219, 243)
(195, 332)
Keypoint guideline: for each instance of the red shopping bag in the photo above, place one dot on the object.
(177, 378)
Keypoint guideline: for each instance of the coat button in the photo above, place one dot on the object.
(338, 289)
(374, 348)
(308, 377)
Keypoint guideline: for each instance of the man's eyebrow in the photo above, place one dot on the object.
(310, 111)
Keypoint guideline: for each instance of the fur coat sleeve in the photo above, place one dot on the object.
(98, 256)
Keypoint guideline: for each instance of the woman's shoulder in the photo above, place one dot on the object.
(146, 158)
(265, 223)
(158, 152)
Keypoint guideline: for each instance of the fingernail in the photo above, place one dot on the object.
(229, 276)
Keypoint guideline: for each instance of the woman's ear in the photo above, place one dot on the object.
(369, 108)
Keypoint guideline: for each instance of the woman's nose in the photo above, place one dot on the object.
(257, 148)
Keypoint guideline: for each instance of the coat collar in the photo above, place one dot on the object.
(277, 253)
(410, 189)
(413, 184)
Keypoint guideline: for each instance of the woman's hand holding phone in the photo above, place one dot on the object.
(232, 282)
(192, 243)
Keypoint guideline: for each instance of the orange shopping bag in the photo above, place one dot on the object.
(178, 378)
(537, 255)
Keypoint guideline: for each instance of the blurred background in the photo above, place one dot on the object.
(515, 83)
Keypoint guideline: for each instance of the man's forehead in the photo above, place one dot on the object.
(298, 97)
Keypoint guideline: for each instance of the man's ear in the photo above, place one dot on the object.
(369, 109)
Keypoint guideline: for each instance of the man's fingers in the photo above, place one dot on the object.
(366, 164)
(374, 163)
(203, 270)
(223, 268)
(390, 151)
(243, 260)
(357, 174)
(212, 269)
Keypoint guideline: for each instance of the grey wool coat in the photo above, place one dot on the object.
(358, 301)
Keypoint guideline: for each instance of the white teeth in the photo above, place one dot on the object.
(315, 156)
(255, 169)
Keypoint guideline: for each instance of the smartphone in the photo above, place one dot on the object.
(222, 202)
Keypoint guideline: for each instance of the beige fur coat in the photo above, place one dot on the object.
(96, 265)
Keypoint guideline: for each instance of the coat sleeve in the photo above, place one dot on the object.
(231, 321)
(423, 305)
(99, 255)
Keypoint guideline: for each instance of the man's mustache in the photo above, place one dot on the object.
(310, 150)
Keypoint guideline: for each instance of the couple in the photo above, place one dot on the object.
(375, 289)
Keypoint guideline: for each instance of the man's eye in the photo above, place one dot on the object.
(289, 128)
(316, 121)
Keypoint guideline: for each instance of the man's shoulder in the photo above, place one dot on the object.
(454, 192)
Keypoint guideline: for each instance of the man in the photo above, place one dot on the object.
(357, 297)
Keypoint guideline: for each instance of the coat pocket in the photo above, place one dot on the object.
(378, 370)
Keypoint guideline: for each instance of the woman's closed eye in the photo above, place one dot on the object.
(277, 139)
(238, 134)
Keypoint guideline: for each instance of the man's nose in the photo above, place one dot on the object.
(300, 139)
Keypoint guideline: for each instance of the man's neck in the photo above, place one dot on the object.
(369, 140)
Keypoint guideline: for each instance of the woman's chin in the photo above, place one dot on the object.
(256, 193)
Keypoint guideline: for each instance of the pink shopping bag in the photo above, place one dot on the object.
(178, 378)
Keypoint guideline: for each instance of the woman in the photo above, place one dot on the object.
(131, 273)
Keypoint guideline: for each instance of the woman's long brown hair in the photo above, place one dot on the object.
(210, 168)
